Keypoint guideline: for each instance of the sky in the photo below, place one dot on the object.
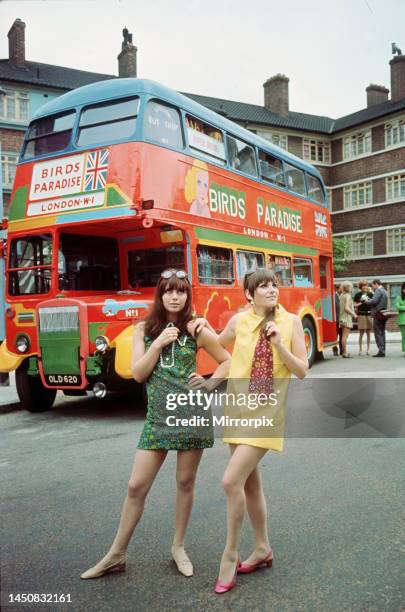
(331, 50)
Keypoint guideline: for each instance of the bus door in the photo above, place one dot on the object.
(327, 299)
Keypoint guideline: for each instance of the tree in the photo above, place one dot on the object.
(340, 259)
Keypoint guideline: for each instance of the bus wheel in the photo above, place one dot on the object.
(34, 397)
(310, 340)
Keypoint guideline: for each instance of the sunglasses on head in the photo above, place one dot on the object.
(166, 274)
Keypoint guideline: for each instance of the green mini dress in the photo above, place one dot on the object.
(168, 379)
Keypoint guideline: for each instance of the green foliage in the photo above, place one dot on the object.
(340, 259)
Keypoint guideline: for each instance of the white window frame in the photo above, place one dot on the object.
(277, 138)
(15, 97)
(329, 193)
(394, 132)
(357, 239)
(394, 237)
(357, 195)
(395, 188)
(316, 151)
(8, 174)
(351, 145)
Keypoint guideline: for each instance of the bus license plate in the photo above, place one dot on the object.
(63, 380)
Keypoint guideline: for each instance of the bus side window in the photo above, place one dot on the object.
(248, 261)
(162, 124)
(271, 169)
(241, 156)
(315, 192)
(303, 272)
(107, 121)
(281, 266)
(215, 265)
(295, 179)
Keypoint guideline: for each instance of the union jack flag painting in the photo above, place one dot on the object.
(95, 176)
(321, 227)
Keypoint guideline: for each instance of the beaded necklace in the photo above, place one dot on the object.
(167, 361)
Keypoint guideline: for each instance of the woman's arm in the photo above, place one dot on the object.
(225, 337)
(295, 360)
(143, 363)
(209, 342)
(398, 304)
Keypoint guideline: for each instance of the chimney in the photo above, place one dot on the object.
(376, 94)
(397, 78)
(127, 57)
(16, 43)
(276, 94)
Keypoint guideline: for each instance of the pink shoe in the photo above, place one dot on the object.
(224, 587)
(248, 568)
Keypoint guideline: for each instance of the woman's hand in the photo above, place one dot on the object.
(273, 333)
(195, 381)
(195, 326)
(168, 335)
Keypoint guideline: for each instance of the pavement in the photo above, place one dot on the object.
(9, 398)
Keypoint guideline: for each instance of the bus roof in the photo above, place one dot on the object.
(120, 87)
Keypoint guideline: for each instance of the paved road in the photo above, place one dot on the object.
(336, 514)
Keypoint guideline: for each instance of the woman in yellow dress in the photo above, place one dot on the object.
(269, 346)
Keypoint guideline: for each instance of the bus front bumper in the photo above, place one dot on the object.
(9, 361)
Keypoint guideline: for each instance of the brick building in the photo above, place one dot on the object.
(26, 85)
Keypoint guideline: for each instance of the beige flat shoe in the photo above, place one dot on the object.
(182, 562)
(100, 569)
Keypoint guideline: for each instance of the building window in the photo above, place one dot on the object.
(395, 132)
(316, 151)
(8, 165)
(329, 196)
(395, 187)
(356, 145)
(357, 195)
(396, 240)
(281, 140)
(14, 106)
(359, 245)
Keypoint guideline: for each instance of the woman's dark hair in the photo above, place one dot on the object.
(253, 280)
(156, 320)
(402, 288)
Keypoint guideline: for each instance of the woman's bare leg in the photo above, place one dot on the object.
(361, 334)
(257, 510)
(345, 335)
(187, 466)
(368, 340)
(147, 464)
(242, 463)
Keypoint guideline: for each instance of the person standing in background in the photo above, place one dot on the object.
(364, 321)
(400, 306)
(347, 315)
(338, 293)
(377, 304)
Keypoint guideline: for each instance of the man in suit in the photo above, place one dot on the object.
(377, 304)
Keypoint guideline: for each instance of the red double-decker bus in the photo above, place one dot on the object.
(116, 182)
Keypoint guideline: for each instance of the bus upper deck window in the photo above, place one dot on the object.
(271, 169)
(315, 189)
(241, 156)
(295, 179)
(109, 121)
(205, 138)
(49, 134)
(162, 124)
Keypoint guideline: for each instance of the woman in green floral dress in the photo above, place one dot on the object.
(164, 355)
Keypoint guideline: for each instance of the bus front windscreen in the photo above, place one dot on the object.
(88, 263)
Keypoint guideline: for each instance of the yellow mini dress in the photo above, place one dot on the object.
(247, 334)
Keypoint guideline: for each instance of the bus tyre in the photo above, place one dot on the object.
(33, 396)
(310, 340)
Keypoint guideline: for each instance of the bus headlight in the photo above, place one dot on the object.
(101, 343)
(22, 343)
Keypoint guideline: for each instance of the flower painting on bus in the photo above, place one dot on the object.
(71, 183)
